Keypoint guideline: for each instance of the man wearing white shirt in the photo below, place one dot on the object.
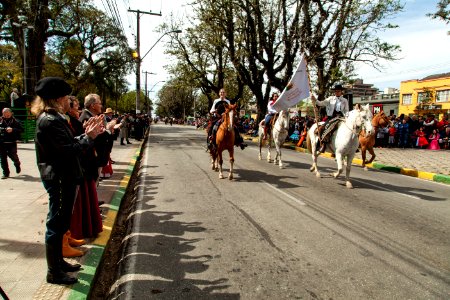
(336, 106)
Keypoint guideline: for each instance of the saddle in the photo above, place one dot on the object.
(272, 121)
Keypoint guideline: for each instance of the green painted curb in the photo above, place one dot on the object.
(442, 178)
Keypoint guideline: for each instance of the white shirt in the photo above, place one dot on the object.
(332, 103)
(213, 107)
(270, 108)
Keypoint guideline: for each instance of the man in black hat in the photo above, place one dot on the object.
(57, 153)
(336, 107)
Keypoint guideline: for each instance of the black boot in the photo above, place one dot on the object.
(68, 267)
(55, 274)
(323, 147)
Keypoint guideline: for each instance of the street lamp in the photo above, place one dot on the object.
(138, 67)
(24, 25)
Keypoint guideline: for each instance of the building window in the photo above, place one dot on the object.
(443, 96)
(406, 99)
(423, 97)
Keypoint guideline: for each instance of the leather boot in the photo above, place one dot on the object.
(74, 242)
(67, 250)
(55, 274)
(68, 267)
(323, 147)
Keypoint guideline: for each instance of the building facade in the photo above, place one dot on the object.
(387, 102)
(427, 96)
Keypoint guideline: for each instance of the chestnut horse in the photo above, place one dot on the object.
(224, 141)
(367, 142)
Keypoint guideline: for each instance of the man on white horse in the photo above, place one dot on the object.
(336, 107)
(270, 113)
(216, 111)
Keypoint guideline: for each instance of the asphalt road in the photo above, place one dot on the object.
(276, 233)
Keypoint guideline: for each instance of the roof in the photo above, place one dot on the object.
(436, 76)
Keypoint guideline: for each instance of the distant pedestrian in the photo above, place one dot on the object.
(57, 154)
(10, 130)
(391, 140)
(14, 96)
(403, 134)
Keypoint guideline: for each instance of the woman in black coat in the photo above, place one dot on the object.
(57, 153)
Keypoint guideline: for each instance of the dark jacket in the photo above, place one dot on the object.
(57, 150)
(103, 143)
(10, 137)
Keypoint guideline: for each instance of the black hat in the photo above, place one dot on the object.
(338, 87)
(52, 88)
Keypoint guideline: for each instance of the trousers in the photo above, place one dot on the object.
(61, 199)
(8, 150)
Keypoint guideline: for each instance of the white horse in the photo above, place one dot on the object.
(277, 135)
(344, 141)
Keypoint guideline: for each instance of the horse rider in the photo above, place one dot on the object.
(270, 113)
(217, 109)
(336, 107)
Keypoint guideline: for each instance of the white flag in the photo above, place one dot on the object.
(297, 89)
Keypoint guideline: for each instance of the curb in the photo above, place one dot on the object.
(441, 178)
(92, 259)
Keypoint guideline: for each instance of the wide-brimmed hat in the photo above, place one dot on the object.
(108, 110)
(52, 88)
(338, 87)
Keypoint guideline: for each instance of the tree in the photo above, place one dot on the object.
(336, 34)
(175, 100)
(443, 11)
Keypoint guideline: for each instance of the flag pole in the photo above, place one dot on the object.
(316, 113)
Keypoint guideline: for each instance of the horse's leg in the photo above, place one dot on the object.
(313, 142)
(220, 159)
(231, 152)
(339, 164)
(278, 146)
(260, 145)
(348, 184)
(363, 156)
(370, 149)
(269, 142)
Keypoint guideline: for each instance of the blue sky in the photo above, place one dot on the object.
(425, 47)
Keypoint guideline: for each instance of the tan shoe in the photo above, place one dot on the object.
(67, 250)
(74, 242)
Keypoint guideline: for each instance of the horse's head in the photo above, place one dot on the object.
(361, 119)
(381, 120)
(366, 118)
(228, 116)
(283, 119)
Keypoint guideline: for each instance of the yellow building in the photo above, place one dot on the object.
(427, 96)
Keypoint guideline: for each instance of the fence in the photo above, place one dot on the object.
(28, 122)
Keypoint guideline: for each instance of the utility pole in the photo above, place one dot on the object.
(147, 73)
(138, 59)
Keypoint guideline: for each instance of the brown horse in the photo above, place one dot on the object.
(224, 141)
(367, 142)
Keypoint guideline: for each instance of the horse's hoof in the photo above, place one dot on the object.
(349, 185)
(366, 169)
(335, 175)
(220, 176)
(230, 177)
(311, 169)
(317, 174)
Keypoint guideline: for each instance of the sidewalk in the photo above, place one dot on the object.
(421, 163)
(23, 211)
